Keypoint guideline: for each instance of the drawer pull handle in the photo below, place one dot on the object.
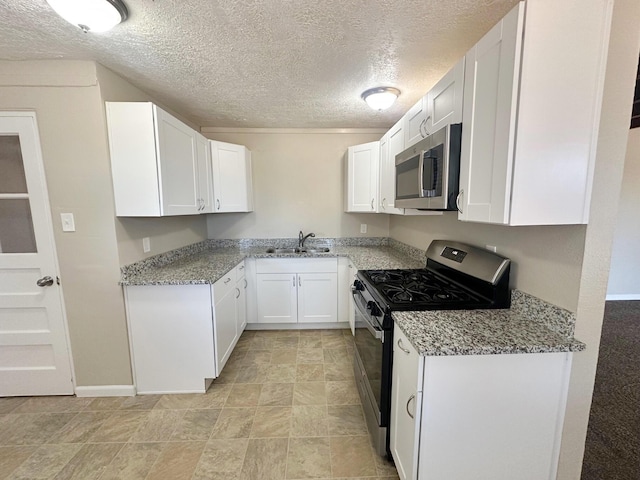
(227, 280)
(412, 397)
(245, 283)
(238, 290)
(405, 350)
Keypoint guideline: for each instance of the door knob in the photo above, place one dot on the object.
(45, 282)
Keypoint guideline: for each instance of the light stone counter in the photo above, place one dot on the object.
(529, 326)
(207, 262)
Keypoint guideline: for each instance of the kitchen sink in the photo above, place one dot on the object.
(314, 250)
(282, 250)
(298, 250)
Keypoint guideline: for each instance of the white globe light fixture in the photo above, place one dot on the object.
(91, 15)
(380, 98)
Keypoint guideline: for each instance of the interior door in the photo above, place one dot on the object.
(34, 350)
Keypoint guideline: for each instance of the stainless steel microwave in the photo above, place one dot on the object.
(428, 173)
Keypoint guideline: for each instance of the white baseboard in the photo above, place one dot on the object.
(106, 391)
(625, 296)
(296, 326)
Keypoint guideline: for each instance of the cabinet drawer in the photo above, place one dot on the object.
(297, 265)
(223, 286)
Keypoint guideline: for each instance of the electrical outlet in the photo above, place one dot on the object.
(68, 222)
(492, 248)
(146, 244)
(363, 228)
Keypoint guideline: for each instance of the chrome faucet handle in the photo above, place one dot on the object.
(300, 239)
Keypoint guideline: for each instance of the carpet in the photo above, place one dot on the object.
(612, 448)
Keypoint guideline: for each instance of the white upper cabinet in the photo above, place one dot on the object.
(532, 100)
(205, 176)
(441, 106)
(232, 178)
(414, 122)
(362, 165)
(444, 100)
(154, 162)
(390, 145)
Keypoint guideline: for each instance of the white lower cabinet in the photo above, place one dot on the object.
(406, 399)
(494, 417)
(346, 276)
(277, 297)
(297, 290)
(181, 335)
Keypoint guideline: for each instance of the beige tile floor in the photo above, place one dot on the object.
(285, 407)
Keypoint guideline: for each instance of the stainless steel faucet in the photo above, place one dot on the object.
(302, 238)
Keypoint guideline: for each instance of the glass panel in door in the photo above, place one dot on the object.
(16, 224)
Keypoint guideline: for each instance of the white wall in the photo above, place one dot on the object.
(298, 185)
(624, 277)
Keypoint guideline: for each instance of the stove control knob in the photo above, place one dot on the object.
(357, 286)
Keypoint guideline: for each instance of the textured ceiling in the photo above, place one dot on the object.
(266, 63)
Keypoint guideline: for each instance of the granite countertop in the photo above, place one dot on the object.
(529, 326)
(207, 262)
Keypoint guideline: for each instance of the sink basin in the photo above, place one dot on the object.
(314, 250)
(297, 250)
(281, 250)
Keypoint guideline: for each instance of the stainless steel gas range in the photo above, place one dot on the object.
(456, 277)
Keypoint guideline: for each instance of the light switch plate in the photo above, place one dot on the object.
(146, 244)
(363, 228)
(68, 222)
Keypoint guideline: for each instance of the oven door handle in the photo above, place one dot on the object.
(377, 333)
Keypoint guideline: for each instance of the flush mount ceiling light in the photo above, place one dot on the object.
(380, 98)
(91, 15)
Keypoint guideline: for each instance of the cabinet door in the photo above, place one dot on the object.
(444, 100)
(406, 406)
(177, 165)
(414, 122)
(231, 177)
(317, 297)
(393, 144)
(277, 297)
(352, 312)
(241, 305)
(225, 328)
(363, 162)
(489, 115)
(396, 145)
(205, 178)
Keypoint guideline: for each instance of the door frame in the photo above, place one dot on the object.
(39, 159)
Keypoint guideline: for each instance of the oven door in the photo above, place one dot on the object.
(369, 346)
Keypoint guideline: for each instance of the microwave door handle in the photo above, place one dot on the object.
(433, 174)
